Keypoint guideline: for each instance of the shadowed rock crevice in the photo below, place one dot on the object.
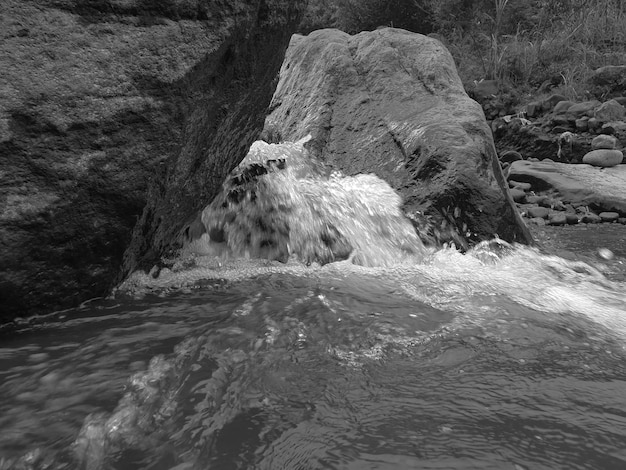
(96, 105)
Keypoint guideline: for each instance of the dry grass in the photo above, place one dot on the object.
(568, 49)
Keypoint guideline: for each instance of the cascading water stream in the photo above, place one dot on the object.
(305, 325)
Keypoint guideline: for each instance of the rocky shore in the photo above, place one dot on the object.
(564, 159)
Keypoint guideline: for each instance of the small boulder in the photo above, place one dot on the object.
(551, 102)
(560, 120)
(562, 106)
(590, 218)
(533, 109)
(557, 218)
(582, 124)
(541, 212)
(571, 218)
(604, 158)
(593, 124)
(609, 216)
(586, 108)
(610, 111)
(622, 220)
(535, 200)
(614, 128)
(518, 195)
(604, 141)
(537, 221)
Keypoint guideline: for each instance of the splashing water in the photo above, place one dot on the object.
(254, 350)
(293, 208)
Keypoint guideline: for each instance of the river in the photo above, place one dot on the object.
(503, 357)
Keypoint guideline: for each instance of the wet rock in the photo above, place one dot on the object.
(603, 158)
(604, 142)
(132, 91)
(394, 93)
(609, 216)
(541, 212)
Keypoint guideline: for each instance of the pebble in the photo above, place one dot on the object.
(571, 218)
(605, 253)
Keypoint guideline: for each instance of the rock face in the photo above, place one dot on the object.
(390, 102)
(98, 98)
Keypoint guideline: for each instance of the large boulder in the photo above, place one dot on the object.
(390, 102)
(98, 98)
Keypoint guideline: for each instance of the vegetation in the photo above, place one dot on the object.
(523, 43)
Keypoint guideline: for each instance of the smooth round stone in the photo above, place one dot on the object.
(609, 216)
(518, 195)
(603, 158)
(557, 218)
(541, 212)
(604, 141)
